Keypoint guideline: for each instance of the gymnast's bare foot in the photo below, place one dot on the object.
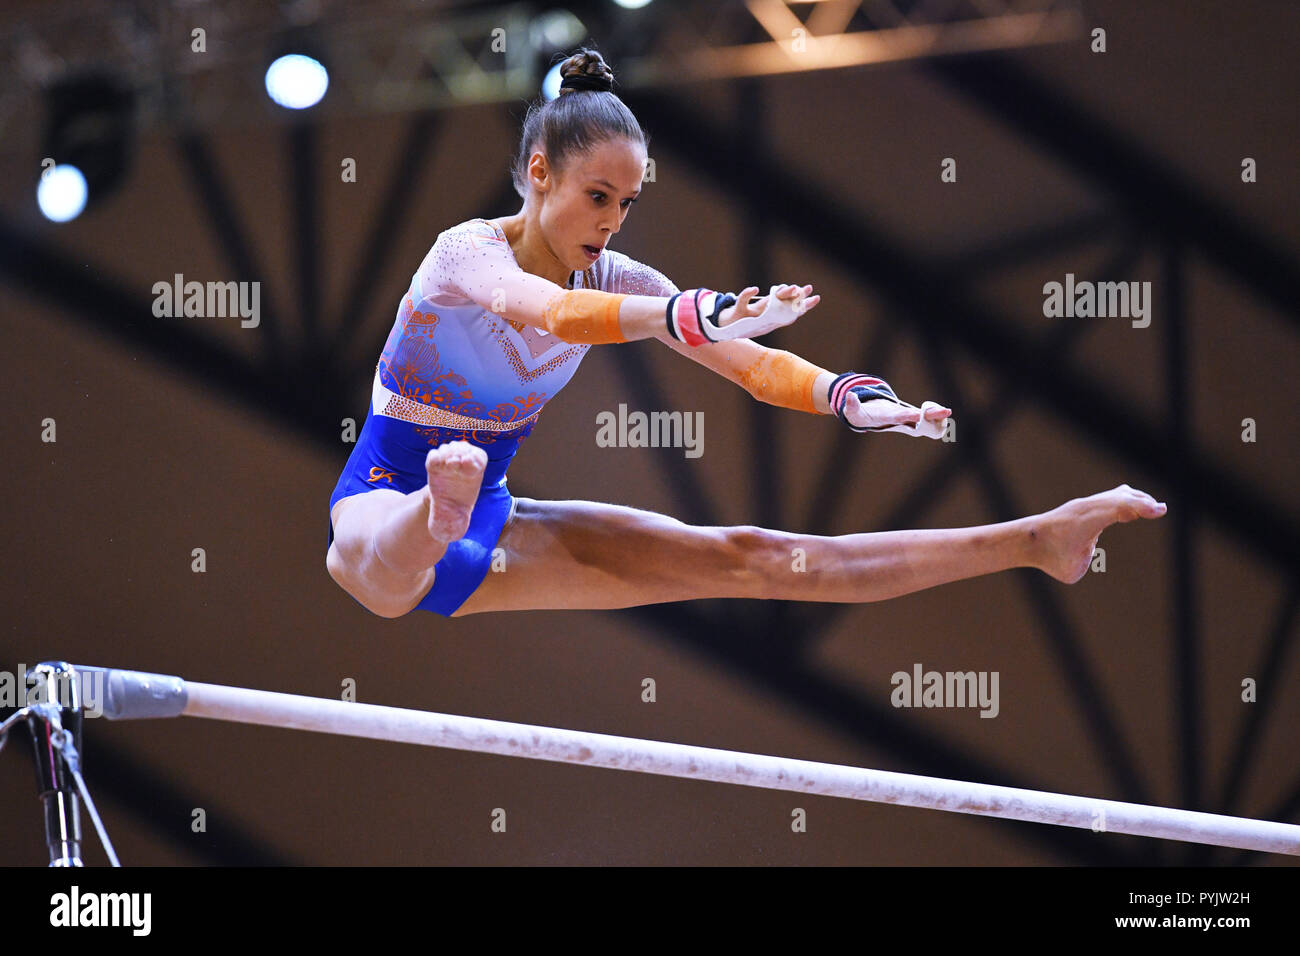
(455, 475)
(1064, 538)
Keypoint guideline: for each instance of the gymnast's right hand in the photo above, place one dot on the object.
(753, 316)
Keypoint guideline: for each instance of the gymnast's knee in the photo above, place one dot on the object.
(753, 551)
(346, 576)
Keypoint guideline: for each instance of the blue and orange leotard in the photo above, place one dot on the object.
(454, 368)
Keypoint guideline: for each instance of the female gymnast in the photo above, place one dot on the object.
(495, 322)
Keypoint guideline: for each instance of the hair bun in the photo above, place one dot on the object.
(586, 70)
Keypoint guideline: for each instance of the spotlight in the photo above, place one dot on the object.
(296, 81)
(61, 193)
(551, 82)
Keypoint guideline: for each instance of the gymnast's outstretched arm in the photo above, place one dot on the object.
(782, 378)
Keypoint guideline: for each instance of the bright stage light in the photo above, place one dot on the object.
(551, 82)
(296, 82)
(61, 193)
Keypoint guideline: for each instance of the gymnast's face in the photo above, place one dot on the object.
(590, 199)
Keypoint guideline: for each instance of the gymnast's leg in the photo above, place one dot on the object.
(581, 554)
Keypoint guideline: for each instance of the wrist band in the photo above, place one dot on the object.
(690, 315)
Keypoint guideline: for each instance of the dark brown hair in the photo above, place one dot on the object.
(576, 120)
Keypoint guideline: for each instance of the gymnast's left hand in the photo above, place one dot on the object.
(881, 411)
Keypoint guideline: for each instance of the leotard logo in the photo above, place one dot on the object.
(377, 473)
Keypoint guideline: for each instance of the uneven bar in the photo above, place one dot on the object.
(294, 712)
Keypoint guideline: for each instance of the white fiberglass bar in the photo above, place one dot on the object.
(726, 766)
